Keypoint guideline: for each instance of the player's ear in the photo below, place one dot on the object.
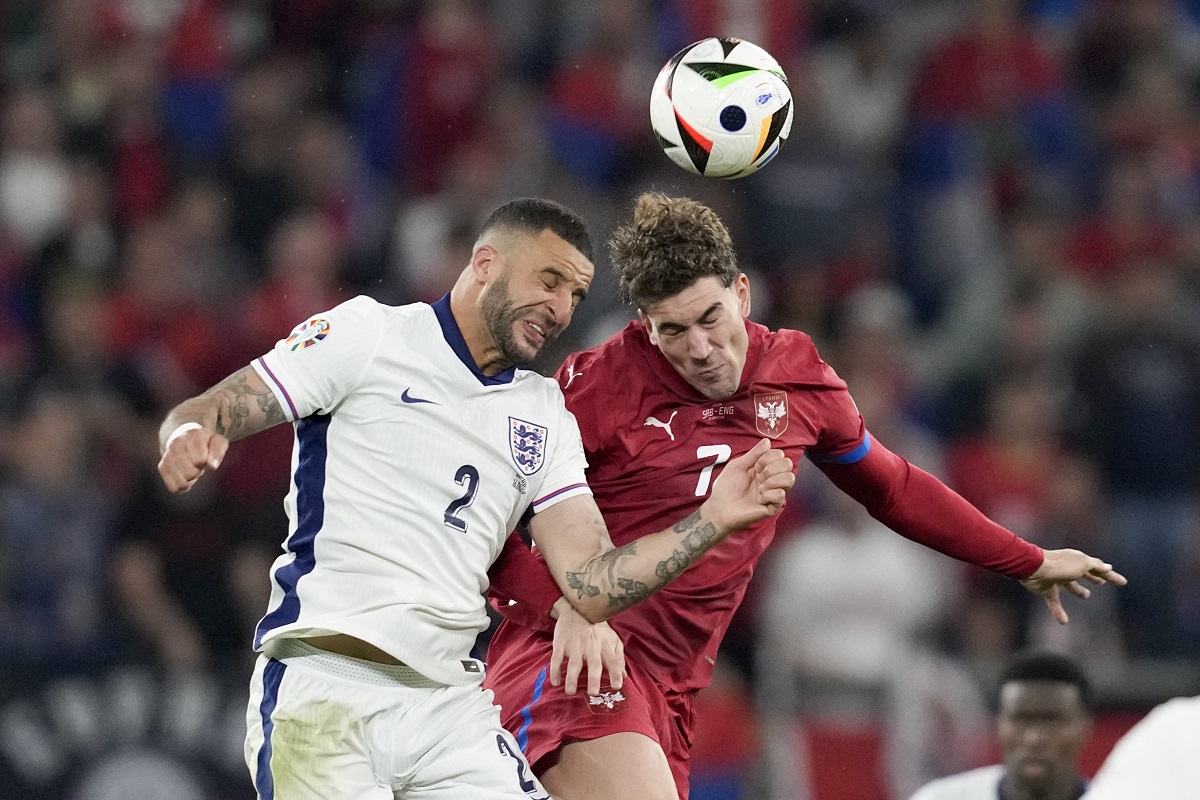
(486, 260)
(650, 330)
(741, 286)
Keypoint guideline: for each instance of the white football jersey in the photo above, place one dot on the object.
(410, 468)
(978, 784)
(1158, 757)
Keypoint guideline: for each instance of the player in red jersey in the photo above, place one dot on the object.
(662, 405)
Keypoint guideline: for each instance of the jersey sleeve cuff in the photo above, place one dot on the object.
(858, 453)
(270, 377)
(558, 495)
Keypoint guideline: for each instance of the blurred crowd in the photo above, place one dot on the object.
(987, 214)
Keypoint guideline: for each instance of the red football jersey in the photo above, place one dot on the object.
(654, 445)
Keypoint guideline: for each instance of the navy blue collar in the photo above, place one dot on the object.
(458, 344)
(1079, 790)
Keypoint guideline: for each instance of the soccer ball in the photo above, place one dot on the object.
(721, 108)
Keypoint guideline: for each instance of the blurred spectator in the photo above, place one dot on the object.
(35, 180)
(327, 175)
(1138, 416)
(169, 579)
(1043, 720)
(842, 619)
(1128, 226)
(201, 212)
(159, 324)
(1030, 313)
(136, 145)
(448, 65)
(304, 263)
(1115, 36)
(863, 88)
(992, 121)
(56, 531)
(1077, 515)
(266, 101)
(598, 96)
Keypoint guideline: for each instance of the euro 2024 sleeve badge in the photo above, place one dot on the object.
(306, 334)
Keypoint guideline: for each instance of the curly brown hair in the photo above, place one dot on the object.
(670, 243)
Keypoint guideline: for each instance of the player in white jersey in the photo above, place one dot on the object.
(419, 446)
(1042, 724)
(1158, 757)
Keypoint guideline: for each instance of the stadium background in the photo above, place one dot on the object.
(987, 215)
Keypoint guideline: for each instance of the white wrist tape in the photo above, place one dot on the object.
(180, 431)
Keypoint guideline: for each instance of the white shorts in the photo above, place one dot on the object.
(323, 726)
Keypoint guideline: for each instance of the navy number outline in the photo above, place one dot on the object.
(467, 477)
(527, 786)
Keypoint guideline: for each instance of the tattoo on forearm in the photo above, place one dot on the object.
(578, 581)
(234, 417)
(694, 545)
(632, 593)
(698, 536)
(687, 523)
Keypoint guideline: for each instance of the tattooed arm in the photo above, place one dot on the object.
(236, 407)
(599, 579)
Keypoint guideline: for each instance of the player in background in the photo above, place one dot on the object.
(1158, 757)
(419, 447)
(1042, 722)
(663, 407)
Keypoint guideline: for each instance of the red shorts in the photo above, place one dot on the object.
(543, 717)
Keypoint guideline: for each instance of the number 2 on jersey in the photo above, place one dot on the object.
(468, 478)
(722, 452)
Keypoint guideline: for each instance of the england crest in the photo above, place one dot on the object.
(771, 413)
(528, 445)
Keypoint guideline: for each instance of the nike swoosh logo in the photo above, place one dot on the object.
(408, 398)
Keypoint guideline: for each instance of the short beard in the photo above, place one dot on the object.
(499, 317)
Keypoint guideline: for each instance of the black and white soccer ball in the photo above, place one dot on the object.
(721, 108)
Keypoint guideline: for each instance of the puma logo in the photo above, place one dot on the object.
(571, 375)
(666, 426)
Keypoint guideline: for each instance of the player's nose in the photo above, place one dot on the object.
(699, 347)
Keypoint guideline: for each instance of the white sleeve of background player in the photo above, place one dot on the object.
(324, 358)
(565, 465)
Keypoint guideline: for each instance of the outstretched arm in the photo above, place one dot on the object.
(599, 579)
(918, 506)
(195, 435)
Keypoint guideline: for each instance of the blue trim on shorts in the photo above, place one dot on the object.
(857, 454)
(527, 711)
(311, 433)
(264, 782)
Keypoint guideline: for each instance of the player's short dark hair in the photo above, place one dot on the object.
(536, 214)
(670, 243)
(1040, 665)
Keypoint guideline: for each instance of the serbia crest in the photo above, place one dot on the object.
(771, 413)
(527, 443)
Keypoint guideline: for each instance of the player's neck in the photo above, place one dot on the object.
(484, 352)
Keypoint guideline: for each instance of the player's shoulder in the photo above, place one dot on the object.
(622, 347)
(545, 389)
(788, 355)
(359, 311)
(785, 343)
(977, 784)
